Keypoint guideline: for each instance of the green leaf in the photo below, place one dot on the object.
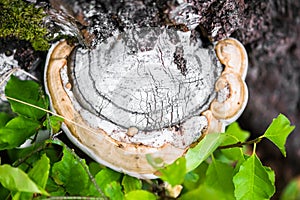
(16, 180)
(219, 176)
(54, 189)
(130, 183)
(203, 192)
(291, 191)
(234, 134)
(235, 130)
(140, 194)
(71, 174)
(271, 174)
(253, 180)
(53, 123)
(106, 176)
(40, 171)
(4, 118)
(39, 174)
(95, 167)
(114, 191)
(4, 193)
(174, 174)
(195, 156)
(196, 177)
(17, 131)
(278, 131)
(27, 91)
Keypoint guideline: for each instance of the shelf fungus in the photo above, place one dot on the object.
(147, 91)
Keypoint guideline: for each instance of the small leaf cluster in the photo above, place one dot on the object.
(15, 130)
(23, 21)
(220, 166)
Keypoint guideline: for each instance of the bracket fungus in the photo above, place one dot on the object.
(147, 91)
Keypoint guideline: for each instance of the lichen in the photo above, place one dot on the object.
(23, 21)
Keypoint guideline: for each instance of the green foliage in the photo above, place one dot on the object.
(114, 191)
(29, 92)
(4, 118)
(278, 132)
(106, 176)
(218, 167)
(291, 191)
(195, 156)
(23, 21)
(70, 174)
(252, 181)
(130, 183)
(53, 123)
(16, 132)
(219, 176)
(39, 174)
(140, 194)
(173, 173)
(234, 135)
(16, 180)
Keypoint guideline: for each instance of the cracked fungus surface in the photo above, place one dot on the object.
(148, 78)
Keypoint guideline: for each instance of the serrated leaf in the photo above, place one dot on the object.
(271, 174)
(71, 174)
(16, 180)
(252, 181)
(195, 156)
(53, 123)
(114, 191)
(130, 183)
(174, 174)
(27, 91)
(219, 176)
(17, 131)
(278, 131)
(140, 194)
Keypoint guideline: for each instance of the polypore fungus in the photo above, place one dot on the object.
(147, 91)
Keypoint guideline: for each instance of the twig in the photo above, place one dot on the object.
(241, 144)
(37, 150)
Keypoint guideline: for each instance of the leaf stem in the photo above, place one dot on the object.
(23, 159)
(241, 144)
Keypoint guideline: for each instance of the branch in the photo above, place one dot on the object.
(241, 144)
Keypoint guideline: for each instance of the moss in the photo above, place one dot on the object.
(23, 21)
